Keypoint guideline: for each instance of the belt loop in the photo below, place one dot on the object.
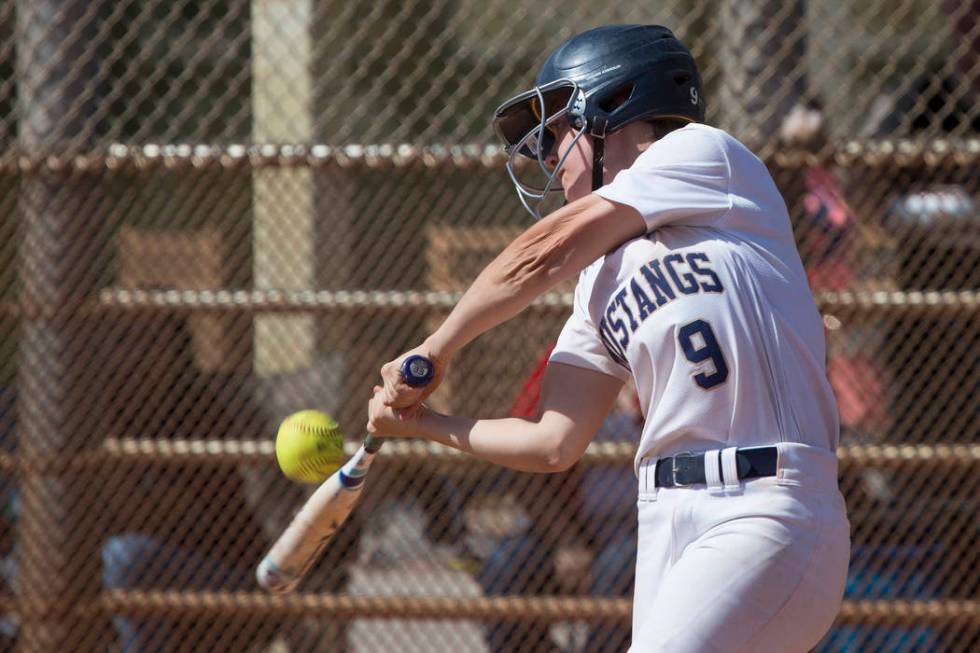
(712, 468)
(648, 484)
(729, 468)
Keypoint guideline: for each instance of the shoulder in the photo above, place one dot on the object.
(690, 144)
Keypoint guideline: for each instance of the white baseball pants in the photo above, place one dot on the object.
(741, 566)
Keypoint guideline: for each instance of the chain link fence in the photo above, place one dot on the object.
(217, 212)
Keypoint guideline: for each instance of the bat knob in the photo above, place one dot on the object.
(417, 371)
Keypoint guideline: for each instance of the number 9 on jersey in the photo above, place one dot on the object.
(699, 344)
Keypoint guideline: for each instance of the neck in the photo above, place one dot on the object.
(621, 154)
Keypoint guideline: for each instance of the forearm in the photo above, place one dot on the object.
(493, 299)
(519, 444)
(508, 285)
(551, 251)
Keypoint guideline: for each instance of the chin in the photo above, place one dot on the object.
(576, 192)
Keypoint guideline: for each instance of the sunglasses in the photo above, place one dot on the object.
(542, 107)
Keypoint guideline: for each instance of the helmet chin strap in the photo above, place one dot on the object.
(598, 134)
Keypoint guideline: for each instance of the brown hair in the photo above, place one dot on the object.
(660, 127)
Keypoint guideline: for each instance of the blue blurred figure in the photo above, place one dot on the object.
(140, 557)
(883, 573)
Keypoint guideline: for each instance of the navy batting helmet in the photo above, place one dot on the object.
(600, 80)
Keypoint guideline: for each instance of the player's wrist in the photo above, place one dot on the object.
(439, 349)
(424, 421)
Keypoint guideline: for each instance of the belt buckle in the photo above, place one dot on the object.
(674, 466)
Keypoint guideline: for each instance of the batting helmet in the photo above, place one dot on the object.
(601, 80)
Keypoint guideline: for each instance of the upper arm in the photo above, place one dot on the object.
(574, 403)
(596, 226)
(564, 242)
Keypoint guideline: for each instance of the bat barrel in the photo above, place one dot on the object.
(274, 579)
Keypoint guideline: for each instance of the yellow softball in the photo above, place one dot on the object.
(309, 446)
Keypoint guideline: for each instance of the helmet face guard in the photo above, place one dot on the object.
(528, 124)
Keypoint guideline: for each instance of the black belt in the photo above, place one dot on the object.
(688, 468)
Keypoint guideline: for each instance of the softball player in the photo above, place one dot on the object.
(690, 283)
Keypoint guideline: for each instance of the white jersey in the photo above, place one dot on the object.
(710, 313)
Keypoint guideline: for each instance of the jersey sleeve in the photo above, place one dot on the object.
(682, 179)
(579, 343)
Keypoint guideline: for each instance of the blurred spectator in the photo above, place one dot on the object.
(825, 228)
(170, 527)
(860, 387)
(933, 104)
(876, 395)
(136, 561)
(609, 517)
(176, 527)
(533, 562)
(211, 525)
(943, 102)
(964, 17)
(822, 219)
(828, 221)
(888, 573)
(9, 507)
(930, 216)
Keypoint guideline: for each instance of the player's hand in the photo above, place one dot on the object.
(398, 394)
(390, 422)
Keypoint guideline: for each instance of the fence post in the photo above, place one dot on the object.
(283, 212)
(58, 536)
